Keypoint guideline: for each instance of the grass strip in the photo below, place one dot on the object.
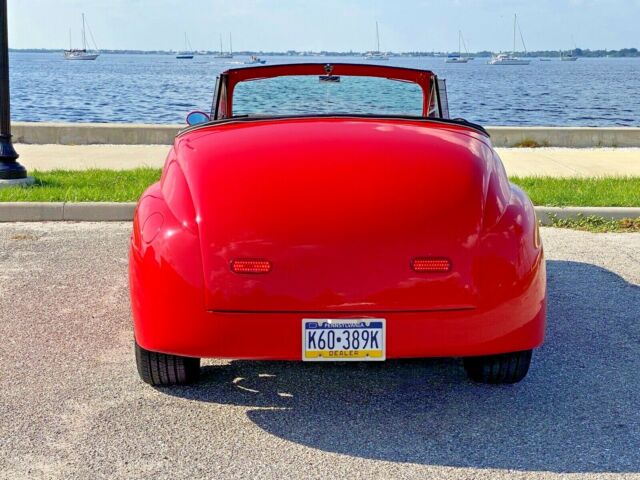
(127, 186)
(581, 192)
(592, 223)
(95, 185)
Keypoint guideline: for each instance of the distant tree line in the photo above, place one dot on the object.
(579, 52)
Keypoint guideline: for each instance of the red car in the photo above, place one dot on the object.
(324, 237)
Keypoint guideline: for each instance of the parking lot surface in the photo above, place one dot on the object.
(72, 406)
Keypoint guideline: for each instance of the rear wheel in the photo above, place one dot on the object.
(162, 370)
(496, 369)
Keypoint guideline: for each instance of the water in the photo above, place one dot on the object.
(161, 89)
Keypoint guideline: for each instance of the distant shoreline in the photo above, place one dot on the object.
(622, 53)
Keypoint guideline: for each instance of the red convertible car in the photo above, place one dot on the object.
(335, 237)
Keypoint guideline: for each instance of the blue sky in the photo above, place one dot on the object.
(405, 25)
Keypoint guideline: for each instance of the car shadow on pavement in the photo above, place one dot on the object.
(577, 411)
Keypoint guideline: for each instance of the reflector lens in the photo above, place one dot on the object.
(250, 266)
(431, 265)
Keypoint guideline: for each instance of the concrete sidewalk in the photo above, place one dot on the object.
(557, 162)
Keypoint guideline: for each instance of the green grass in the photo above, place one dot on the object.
(581, 192)
(128, 185)
(83, 186)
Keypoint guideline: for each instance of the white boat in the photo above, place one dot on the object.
(81, 53)
(456, 59)
(453, 58)
(511, 58)
(508, 59)
(187, 53)
(570, 56)
(253, 60)
(223, 54)
(376, 55)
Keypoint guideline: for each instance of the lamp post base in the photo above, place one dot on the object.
(26, 181)
(10, 169)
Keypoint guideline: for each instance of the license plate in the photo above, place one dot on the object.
(332, 340)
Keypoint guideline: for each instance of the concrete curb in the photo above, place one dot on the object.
(66, 211)
(45, 133)
(566, 137)
(99, 211)
(123, 212)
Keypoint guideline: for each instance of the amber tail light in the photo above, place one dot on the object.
(248, 265)
(431, 265)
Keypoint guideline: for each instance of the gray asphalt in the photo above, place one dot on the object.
(72, 405)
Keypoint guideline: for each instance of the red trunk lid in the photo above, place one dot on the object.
(339, 207)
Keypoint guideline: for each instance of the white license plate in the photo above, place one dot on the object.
(332, 340)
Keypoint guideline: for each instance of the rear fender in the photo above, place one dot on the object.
(510, 261)
(165, 274)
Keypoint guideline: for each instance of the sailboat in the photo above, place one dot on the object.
(223, 54)
(453, 58)
(376, 54)
(510, 58)
(81, 53)
(187, 53)
(569, 57)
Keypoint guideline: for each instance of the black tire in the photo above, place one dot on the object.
(496, 369)
(163, 370)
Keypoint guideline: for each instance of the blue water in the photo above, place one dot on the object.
(162, 89)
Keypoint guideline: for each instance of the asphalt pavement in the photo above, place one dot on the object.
(72, 406)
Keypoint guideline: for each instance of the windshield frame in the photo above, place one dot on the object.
(222, 107)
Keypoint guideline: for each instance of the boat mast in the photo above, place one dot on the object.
(524, 45)
(220, 44)
(70, 41)
(230, 45)
(515, 19)
(464, 44)
(459, 40)
(377, 37)
(84, 36)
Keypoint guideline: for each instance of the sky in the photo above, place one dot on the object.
(333, 25)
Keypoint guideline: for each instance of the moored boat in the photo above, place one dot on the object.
(222, 53)
(508, 59)
(81, 53)
(568, 57)
(376, 55)
(453, 58)
(187, 53)
(511, 58)
(458, 58)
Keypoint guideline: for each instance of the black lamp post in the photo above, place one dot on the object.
(10, 169)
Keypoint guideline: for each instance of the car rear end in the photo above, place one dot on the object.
(336, 239)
